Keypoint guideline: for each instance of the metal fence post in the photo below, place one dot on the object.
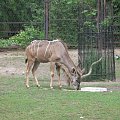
(46, 21)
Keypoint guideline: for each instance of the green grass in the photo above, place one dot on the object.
(19, 103)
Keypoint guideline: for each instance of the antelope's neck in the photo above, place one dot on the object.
(69, 64)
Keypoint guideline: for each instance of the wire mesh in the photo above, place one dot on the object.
(95, 40)
(13, 28)
(63, 21)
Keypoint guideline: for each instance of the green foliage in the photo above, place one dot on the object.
(5, 43)
(106, 22)
(21, 10)
(63, 17)
(23, 38)
(116, 7)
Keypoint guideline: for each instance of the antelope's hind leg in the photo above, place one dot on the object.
(52, 66)
(36, 64)
(58, 67)
(28, 68)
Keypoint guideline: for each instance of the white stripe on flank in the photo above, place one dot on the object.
(47, 48)
(49, 45)
(38, 48)
(30, 49)
(34, 48)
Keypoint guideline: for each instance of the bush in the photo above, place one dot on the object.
(23, 38)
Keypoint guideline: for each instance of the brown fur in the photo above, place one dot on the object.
(48, 51)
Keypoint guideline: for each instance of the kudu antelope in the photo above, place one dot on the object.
(54, 52)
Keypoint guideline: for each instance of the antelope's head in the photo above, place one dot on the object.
(78, 75)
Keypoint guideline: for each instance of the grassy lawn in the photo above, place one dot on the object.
(19, 103)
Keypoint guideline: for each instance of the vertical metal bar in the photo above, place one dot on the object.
(113, 58)
(79, 42)
(46, 22)
(104, 9)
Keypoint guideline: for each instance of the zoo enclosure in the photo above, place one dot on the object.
(96, 34)
(80, 28)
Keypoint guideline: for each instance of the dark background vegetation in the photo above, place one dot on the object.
(22, 21)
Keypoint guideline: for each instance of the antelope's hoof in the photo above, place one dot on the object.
(60, 86)
(51, 87)
(27, 86)
(38, 85)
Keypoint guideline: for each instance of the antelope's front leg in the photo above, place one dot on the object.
(58, 73)
(28, 67)
(36, 64)
(52, 66)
